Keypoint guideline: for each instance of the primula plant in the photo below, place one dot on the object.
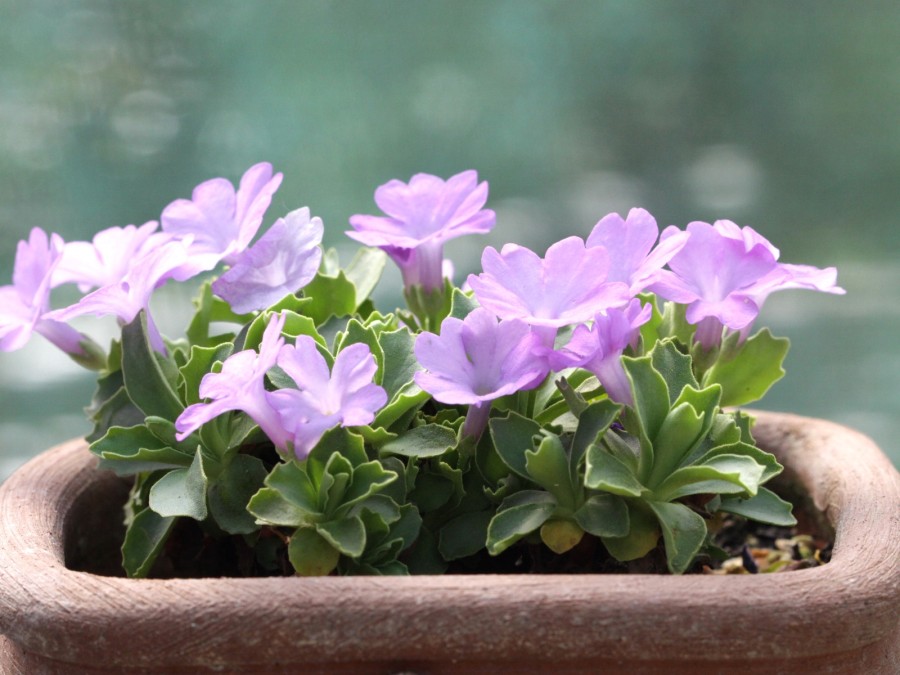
(586, 400)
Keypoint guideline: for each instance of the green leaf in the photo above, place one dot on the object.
(678, 434)
(513, 435)
(111, 407)
(748, 373)
(347, 535)
(366, 480)
(464, 535)
(365, 270)
(310, 554)
(269, 506)
(462, 304)
(675, 368)
(610, 474)
(429, 440)
(592, 424)
(209, 309)
(548, 466)
(409, 398)
(683, 533)
(603, 516)
(144, 539)
(400, 362)
(357, 333)
(519, 515)
(651, 394)
(181, 492)
(643, 533)
(561, 535)
(766, 459)
(146, 383)
(724, 474)
(199, 364)
(765, 507)
(134, 449)
(231, 492)
(330, 296)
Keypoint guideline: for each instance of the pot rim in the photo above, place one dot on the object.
(45, 607)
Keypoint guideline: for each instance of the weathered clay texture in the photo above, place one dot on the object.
(839, 618)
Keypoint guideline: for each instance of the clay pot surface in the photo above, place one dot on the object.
(843, 617)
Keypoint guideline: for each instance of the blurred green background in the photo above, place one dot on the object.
(783, 116)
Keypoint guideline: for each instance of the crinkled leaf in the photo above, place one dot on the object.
(643, 533)
(603, 516)
(766, 459)
(592, 424)
(428, 440)
(210, 309)
(330, 296)
(144, 539)
(347, 535)
(269, 506)
(675, 368)
(750, 370)
(357, 333)
(513, 435)
(683, 533)
(462, 304)
(400, 362)
(464, 535)
(199, 364)
(548, 466)
(231, 492)
(365, 270)
(764, 507)
(134, 449)
(407, 399)
(181, 492)
(144, 373)
(366, 480)
(519, 515)
(724, 474)
(311, 554)
(679, 432)
(610, 474)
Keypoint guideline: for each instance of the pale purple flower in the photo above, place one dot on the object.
(630, 244)
(420, 217)
(346, 396)
(476, 360)
(220, 222)
(283, 261)
(568, 286)
(126, 298)
(240, 385)
(24, 305)
(108, 257)
(599, 348)
(724, 273)
(785, 276)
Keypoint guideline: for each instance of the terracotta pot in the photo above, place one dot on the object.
(838, 618)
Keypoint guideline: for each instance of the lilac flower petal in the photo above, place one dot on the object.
(108, 257)
(477, 359)
(345, 396)
(421, 216)
(240, 385)
(283, 261)
(568, 286)
(132, 294)
(220, 221)
(24, 305)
